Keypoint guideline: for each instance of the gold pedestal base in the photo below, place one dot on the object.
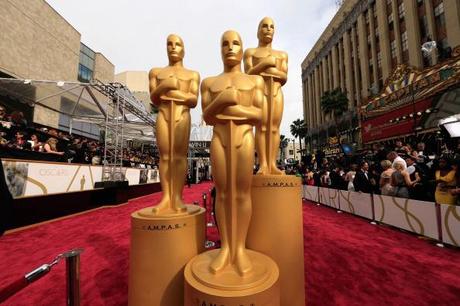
(161, 246)
(276, 230)
(259, 287)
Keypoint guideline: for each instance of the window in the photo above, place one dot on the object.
(404, 43)
(84, 74)
(393, 49)
(291, 152)
(86, 65)
(390, 18)
(440, 23)
(439, 16)
(439, 9)
(424, 29)
(86, 61)
(401, 10)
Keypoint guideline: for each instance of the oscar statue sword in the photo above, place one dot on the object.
(270, 119)
(172, 123)
(230, 189)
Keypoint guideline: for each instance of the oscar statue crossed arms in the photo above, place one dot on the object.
(272, 65)
(174, 90)
(232, 103)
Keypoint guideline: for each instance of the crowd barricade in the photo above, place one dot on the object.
(311, 193)
(439, 222)
(323, 196)
(450, 221)
(329, 197)
(357, 203)
(411, 215)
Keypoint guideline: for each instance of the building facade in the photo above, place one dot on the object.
(292, 151)
(39, 44)
(366, 41)
(138, 84)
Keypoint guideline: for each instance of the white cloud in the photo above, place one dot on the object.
(132, 34)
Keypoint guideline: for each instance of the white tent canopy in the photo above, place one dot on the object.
(83, 102)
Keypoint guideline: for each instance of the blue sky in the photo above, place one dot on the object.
(132, 34)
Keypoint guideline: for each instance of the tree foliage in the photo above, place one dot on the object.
(299, 129)
(334, 102)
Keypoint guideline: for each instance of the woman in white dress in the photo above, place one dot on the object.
(350, 176)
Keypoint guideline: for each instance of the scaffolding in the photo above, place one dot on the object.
(111, 106)
(120, 103)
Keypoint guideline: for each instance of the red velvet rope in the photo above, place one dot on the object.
(13, 288)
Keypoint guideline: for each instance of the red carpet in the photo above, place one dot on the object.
(348, 261)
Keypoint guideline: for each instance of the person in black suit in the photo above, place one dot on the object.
(363, 181)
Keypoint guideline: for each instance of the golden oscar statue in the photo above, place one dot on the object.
(156, 263)
(232, 275)
(276, 227)
(272, 65)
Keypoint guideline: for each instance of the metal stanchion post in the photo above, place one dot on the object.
(208, 243)
(204, 200)
(438, 221)
(209, 221)
(339, 210)
(73, 277)
(211, 202)
(318, 197)
(373, 209)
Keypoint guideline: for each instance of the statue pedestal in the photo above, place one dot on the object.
(161, 246)
(259, 287)
(276, 229)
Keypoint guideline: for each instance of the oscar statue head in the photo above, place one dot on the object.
(266, 30)
(231, 48)
(175, 48)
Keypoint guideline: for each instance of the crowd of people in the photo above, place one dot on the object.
(16, 134)
(401, 171)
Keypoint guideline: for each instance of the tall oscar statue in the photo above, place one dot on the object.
(276, 228)
(232, 275)
(166, 236)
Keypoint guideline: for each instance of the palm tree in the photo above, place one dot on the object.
(299, 129)
(283, 144)
(334, 102)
